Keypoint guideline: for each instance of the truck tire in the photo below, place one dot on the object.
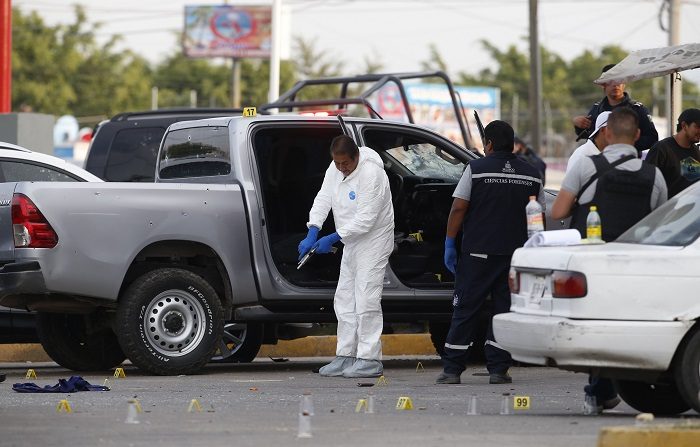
(169, 322)
(687, 370)
(241, 343)
(67, 340)
(656, 398)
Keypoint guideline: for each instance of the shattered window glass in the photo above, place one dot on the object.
(427, 160)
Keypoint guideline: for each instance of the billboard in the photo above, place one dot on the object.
(233, 31)
(431, 106)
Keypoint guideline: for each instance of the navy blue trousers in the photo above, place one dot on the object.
(476, 278)
(603, 389)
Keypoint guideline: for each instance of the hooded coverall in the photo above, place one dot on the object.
(364, 219)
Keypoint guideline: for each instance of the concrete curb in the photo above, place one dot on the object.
(320, 346)
(680, 435)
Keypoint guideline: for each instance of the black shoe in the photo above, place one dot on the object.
(2, 377)
(499, 379)
(448, 379)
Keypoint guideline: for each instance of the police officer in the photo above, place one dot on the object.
(615, 96)
(489, 204)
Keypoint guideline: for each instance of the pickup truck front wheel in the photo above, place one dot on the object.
(169, 322)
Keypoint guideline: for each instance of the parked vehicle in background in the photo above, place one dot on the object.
(19, 164)
(124, 148)
(627, 310)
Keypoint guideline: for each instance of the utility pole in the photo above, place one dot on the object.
(535, 80)
(5, 56)
(674, 90)
(274, 91)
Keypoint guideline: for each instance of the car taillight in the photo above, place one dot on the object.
(568, 284)
(514, 281)
(30, 227)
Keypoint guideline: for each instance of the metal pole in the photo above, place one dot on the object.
(154, 98)
(675, 88)
(5, 56)
(535, 81)
(274, 91)
(235, 83)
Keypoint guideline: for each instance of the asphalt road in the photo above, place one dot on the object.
(258, 404)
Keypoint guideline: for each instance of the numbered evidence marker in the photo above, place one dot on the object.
(194, 406)
(64, 406)
(250, 112)
(404, 403)
(119, 373)
(362, 403)
(31, 374)
(521, 402)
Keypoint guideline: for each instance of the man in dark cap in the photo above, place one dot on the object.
(677, 156)
(615, 96)
(524, 151)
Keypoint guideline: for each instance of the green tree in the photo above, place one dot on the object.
(311, 63)
(63, 70)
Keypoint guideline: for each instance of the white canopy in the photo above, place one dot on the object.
(653, 62)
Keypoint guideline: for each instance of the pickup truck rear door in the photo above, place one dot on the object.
(7, 242)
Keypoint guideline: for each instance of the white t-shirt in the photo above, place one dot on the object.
(585, 150)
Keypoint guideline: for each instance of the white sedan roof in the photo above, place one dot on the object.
(8, 150)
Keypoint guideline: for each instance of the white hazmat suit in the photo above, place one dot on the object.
(364, 219)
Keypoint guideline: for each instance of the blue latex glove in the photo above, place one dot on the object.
(451, 254)
(309, 241)
(325, 244)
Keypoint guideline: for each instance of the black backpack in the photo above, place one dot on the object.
(622, 197)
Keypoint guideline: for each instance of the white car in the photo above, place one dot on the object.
(628, 310)
(19, 164)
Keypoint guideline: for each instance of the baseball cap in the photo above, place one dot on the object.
(600, 122)
(689, 116)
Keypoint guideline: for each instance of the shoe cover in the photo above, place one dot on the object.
(337, 366)
(364, 368)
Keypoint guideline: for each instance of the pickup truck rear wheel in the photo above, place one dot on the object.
(169, 322)
(687, 370)
(75, 342)
(657, 398)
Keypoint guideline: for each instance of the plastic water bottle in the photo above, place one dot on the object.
(533, 213)
(594, 229)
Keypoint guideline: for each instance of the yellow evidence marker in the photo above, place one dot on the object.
(419, 367)
(250, 112)
(64, 406)
(521, 402)
(119, 373)
(31, 374)
(194, 406)
(404, 403)
(361, 403)
(382, 381)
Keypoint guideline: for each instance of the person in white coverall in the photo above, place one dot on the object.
(356, 188)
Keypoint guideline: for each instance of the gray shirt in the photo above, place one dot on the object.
(464, 188)
(584, 169)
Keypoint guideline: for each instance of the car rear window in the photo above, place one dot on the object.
(675, 223)
(195, 152)
(133, 154)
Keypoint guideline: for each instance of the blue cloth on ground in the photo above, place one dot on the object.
(72, 385)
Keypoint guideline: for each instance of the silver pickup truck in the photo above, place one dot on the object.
(156, 272)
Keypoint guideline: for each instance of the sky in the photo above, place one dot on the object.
(398, 32)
